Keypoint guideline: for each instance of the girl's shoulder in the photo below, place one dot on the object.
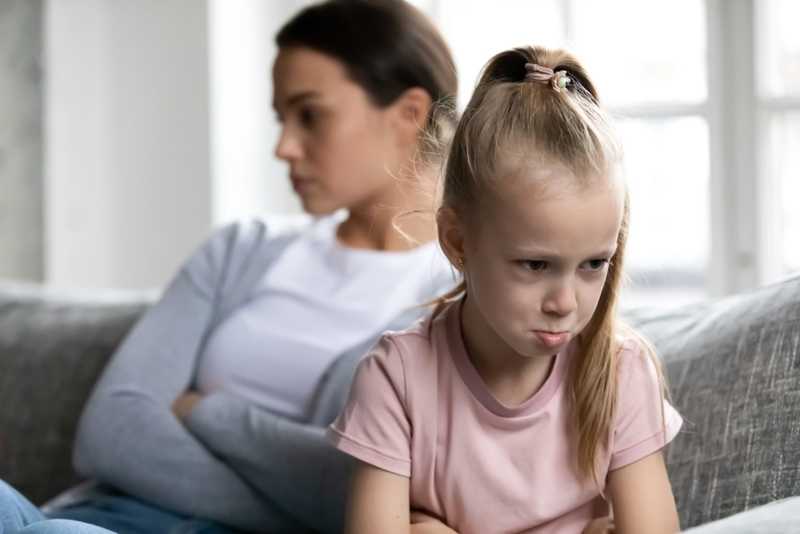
(640, 375)
(412, 351)
(634, 352)
(425, 330)
(644, 421)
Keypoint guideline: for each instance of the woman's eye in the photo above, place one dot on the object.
(532, 265)
(595, 265)
(309, 117)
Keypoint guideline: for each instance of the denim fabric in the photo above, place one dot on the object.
(62, 526)
(126, 515)
(19, 516)
(118, 514)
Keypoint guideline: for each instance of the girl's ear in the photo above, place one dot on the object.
(451, 236)
(412, 109)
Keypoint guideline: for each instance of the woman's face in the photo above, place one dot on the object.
(343, 152)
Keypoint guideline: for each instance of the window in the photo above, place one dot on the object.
(779, 90)
(706, 94)
(657, 87)
(701, 140)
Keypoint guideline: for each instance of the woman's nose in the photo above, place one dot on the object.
(561, 298)
(289, 147)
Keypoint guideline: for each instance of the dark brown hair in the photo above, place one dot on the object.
(387, 47)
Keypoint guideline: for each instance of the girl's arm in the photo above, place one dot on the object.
(422, 523)
(641, 497)
(378, 502)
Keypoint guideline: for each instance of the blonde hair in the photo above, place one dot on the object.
(569, 126)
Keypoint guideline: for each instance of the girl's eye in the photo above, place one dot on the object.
(533, 265)
(595, 265)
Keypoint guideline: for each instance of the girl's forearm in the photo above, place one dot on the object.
(431, 528)
(422, 523)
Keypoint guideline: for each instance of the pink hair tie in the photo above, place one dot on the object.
(536, 73)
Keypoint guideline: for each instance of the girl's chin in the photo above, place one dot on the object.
(531, 349)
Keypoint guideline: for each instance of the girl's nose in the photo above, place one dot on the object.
(561, 298)
(289, 147)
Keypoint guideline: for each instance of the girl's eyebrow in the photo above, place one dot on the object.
(543, 254)
(606, 253)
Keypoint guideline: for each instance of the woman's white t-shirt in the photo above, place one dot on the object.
(317, 300)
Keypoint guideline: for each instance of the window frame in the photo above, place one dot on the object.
(744, 230)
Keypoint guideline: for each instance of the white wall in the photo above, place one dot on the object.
(246, 177)
(127, 142)
(159, 124)
(21, 140)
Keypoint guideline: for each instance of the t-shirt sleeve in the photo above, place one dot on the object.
(645, 422)
(374, 425)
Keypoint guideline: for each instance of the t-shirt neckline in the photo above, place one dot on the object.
(479, 389)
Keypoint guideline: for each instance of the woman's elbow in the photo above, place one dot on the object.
(86, 458)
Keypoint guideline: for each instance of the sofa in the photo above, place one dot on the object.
(733, 366)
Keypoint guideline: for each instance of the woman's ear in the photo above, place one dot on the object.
(412, 109)
(451, 236)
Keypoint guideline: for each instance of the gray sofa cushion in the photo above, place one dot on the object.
(52, 350)
(734, 372)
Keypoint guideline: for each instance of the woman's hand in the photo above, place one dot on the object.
(422, 523)
(601, 525)
(641, 497)
(184, 404)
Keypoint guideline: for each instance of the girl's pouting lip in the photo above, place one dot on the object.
(552, 339)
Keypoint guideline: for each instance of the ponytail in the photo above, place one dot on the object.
(562, 119)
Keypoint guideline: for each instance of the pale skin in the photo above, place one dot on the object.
(344, 152)
(535, 261)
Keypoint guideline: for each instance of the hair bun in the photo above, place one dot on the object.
(506, 67)
(509, 67)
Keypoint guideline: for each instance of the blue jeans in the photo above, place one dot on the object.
(118, 514)
(19, 516)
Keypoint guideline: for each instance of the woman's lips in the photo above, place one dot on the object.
(300, 184)
(551, 339)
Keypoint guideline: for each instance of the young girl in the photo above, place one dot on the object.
(520, 406)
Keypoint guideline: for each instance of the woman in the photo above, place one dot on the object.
(210, 416)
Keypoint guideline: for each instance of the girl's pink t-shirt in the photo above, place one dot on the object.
(418, 408)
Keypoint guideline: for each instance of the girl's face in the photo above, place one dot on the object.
(536, 258)
(342, 151)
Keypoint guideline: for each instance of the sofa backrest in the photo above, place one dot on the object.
(734, 371)
(733, 366)
(52, 349)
